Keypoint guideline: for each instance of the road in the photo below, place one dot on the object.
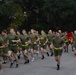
(44, 67)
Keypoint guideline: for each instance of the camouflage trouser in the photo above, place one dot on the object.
(49, 43)
(43, 46)
(25, 47)
(13, 49)
(34, 46)
(5, 50)
(1, 53)
(58, 52)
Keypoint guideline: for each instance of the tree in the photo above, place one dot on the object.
(14, 12)
(40, 14)
(60, 12)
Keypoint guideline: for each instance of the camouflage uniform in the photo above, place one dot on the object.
(33, 38)
(1, 43)
(58, 42)
(5, 50)
(25, 38)
(12, 45)
(42, 41)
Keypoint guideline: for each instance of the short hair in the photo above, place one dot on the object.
(4, 31)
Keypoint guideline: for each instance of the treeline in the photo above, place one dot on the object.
(38, 14)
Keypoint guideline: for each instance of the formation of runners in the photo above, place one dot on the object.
(14, 43)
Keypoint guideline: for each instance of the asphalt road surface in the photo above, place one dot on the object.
(44, 67)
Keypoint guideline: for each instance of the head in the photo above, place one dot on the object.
(75, 32)
(43, 32)
(29, 32)
(37, 32)
(24, 32)
(32, 31)
(65, 33)
(59, 31)
(50, 32)
(57, 34)
(18, 32)
(4, 32)
(12, 31)
(54, 32)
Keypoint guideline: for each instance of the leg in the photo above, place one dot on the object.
(46, 52)
(32, 54)
(4, 59)
(51, 49)
(42, 53)
(57, 58)
(19, 52)
(16, 58)
(9, 55)
(0, 63)
(66, 47)
(25, 53)
(74, 50)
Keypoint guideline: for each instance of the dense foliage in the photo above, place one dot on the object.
(38, 14)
